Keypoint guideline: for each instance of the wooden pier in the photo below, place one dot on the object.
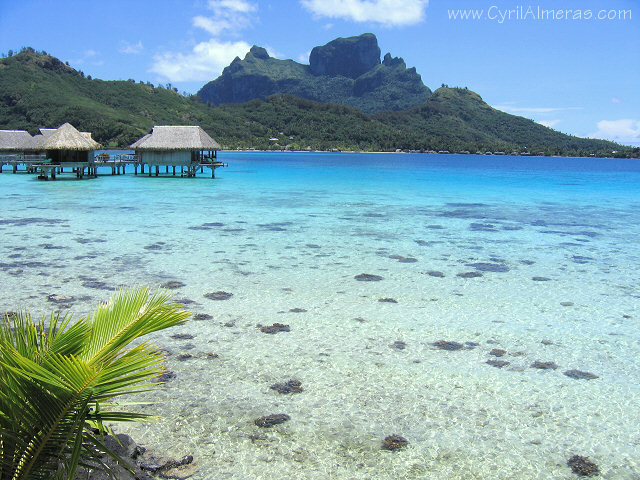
(116, 163)
(67, 150)
(185, 170)
(16, 160)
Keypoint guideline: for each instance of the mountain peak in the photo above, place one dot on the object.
(347, 71)
(393, 61)
(259, 52)
(348, 57)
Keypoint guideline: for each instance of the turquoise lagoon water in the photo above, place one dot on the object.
(556, 242)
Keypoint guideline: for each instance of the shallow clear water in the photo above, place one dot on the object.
(556, 242)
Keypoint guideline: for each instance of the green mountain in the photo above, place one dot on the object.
(347, 71)
(458, 119)
(38, 90)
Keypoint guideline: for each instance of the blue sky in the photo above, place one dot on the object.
(566, 67)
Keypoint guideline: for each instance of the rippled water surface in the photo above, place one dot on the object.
(537, 259)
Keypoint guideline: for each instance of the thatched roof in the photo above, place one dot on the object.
(47, 132)
(37, 141)
(68, 138)
(140, 141)
(14, 140)
(176, 137)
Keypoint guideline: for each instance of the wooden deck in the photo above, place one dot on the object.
(117, 163)
(18, 159)
(184, 170)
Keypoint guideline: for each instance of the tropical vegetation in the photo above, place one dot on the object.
(59, 379)
(38, 90)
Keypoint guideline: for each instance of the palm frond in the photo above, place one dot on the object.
(129, 315)
(56, 375)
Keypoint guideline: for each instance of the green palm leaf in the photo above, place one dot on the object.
(55, 376)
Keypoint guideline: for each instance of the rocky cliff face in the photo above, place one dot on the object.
(347, 57)
(346, 71)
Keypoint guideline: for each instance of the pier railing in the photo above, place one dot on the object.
(16, 159)
(117, 162)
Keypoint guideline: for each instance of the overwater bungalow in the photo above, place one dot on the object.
(67, 147)
(184, 146)
(13, 141)
(16, 148)
(38, 139)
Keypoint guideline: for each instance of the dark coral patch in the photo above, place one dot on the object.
(402, 259)
(220, 295)
(275, 328)
(182, 336)
(583, 466)
(291, 386)
(59, 298)
(165, 377)
(387, 300)
(435, 273)
(489, 267)
(271, 420)
(394, 442)
(482, 227)
(154, 246)
(367, 277)
(544, 365)
(447, 345)
(98, 285)
(497, 363)
(580, 375)
(469, 275)
(184, 301)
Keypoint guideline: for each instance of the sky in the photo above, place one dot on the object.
(573, 65)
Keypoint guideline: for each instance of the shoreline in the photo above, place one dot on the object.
(487, 154)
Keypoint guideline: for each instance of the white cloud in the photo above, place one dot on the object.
(214, 27)
(204, 62)
(228, 16)
(626, 131)
(549, 123)
(304, 57)
(207, 59)
(131, 49)
(273, 52)
(386, 12)
(523, 110)
(615, 100)
(84, 59)
(232, 5)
